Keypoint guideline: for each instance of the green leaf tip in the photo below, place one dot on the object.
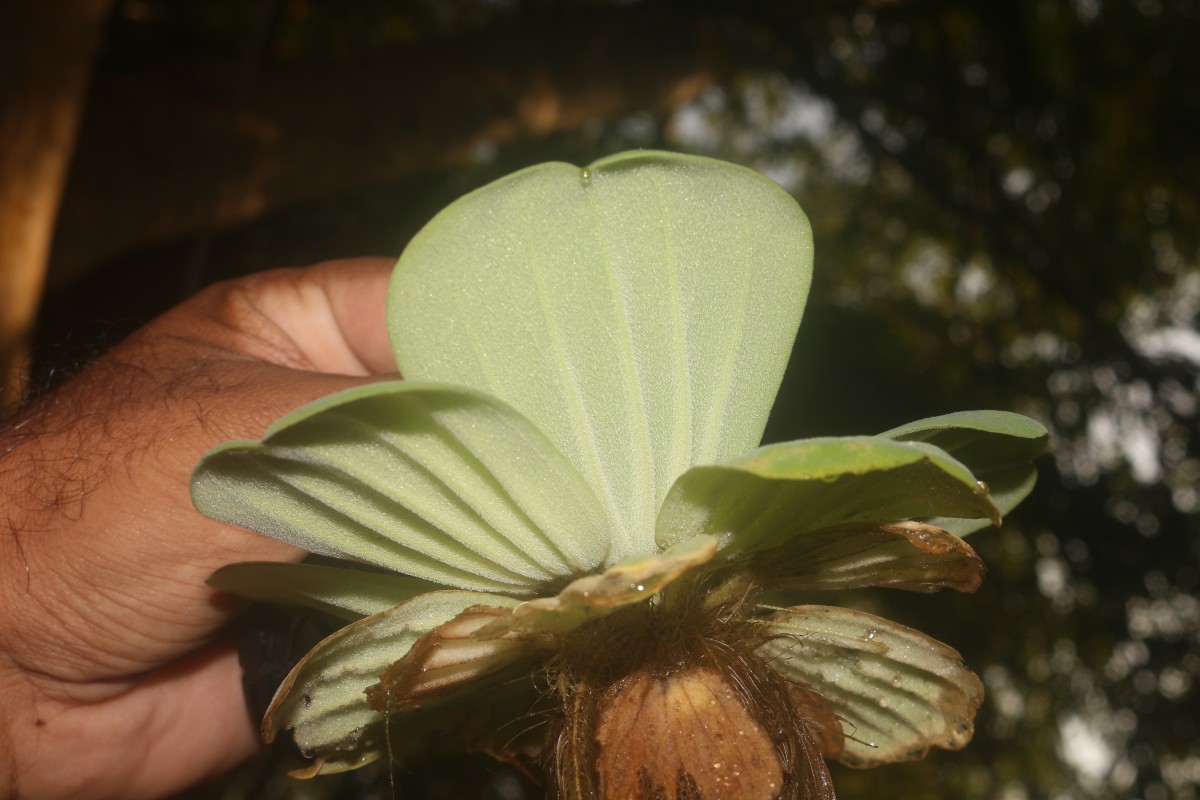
(778, 492)
(997, 446)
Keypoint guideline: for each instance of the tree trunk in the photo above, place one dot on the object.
(46, 52)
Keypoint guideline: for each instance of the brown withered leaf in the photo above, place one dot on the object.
(448, 656)
(684, 736)
(901, 555)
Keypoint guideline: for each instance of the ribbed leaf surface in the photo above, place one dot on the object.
(639, 311)
(440, 482)
(897, 691)
(347, 594)
(323, 700)
(782, 491)
(899, 555)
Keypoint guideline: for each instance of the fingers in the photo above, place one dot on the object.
(356, 295)
(326, 318)
(104, 573)
(102, 557)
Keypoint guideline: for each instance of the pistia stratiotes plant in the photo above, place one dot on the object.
(556, 532)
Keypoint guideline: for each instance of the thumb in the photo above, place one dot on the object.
(106, 605)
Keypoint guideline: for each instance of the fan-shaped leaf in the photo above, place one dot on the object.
(323, 699)
(344, 593)
(640, 311)
(440, 482)
(997, 446)
(900, 555)
(776, 493)
(897, 691)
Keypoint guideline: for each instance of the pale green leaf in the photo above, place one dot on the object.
(323, 699)
(997, 446)
(344, 593)
(444, 483)
(640, 311)
(897, 691)
(782, 491)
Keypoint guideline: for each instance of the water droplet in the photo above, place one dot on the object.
(585, 176)
(641, 588)
(982, 488)
(871, 634)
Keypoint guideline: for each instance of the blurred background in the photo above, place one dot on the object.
(1006, 205)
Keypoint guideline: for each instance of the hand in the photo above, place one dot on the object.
(116, 678)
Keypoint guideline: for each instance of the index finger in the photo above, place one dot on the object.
(329, 317)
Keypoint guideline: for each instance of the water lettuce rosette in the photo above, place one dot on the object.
(555, 535)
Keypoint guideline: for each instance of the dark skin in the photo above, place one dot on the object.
(118, 675)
